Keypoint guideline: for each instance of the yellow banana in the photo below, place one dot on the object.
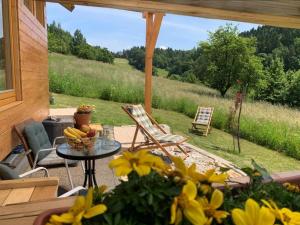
(82, 134)
(71, 131)
(68, 134)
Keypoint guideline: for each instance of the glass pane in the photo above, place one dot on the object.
(28, 4)
(5, 66)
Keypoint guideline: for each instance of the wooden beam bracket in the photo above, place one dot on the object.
(153, 24)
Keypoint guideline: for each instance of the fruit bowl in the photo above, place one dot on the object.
(80, 140)
(82, 143)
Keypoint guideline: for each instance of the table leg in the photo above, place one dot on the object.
(89, 175)
(85, 172)
(94, 173)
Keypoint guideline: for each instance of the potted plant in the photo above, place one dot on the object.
(83, 115)
(156, 193)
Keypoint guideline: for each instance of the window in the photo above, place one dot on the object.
(9, 53)
(29, 4)
(5, 70)
(37, 8)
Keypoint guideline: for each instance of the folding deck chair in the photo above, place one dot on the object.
(155, 135)
(202, 119)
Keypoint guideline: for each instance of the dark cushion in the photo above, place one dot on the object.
(37, 139)
(7, 173)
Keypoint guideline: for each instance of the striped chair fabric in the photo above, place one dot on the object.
(204, 116)
(141, 117)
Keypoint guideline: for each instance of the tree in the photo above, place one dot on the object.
(136, 57)
(58, 39)
(293, 89)
(272, 86)
(78, 42)
(227, 57)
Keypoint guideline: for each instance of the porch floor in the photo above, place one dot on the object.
(124, 135)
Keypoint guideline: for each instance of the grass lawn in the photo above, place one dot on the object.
(275, 127)
(217, 142)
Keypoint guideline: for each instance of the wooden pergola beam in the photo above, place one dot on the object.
(153, 23)
(68, 6)
(273, 12)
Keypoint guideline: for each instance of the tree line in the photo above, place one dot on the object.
(265, 60)
(64, 42)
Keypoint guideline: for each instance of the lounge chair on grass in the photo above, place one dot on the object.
(202, 119)
(156, 136)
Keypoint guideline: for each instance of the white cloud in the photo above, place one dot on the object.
(163, 47)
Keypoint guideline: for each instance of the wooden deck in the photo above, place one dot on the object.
(27, 190)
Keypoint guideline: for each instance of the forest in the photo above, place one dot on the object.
(264, 61)
(61, 41)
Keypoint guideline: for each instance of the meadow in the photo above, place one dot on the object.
(276, 127)
(217, 142)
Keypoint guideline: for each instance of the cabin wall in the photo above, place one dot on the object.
(34, 79)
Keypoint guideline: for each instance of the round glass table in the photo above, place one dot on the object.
(102, 149)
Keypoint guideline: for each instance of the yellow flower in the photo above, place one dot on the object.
(205, 188)
(185, 204)
(210, 208)
(286, 216)
(291, 187)
(211, 176)
(83, 208)
(141, 162)
(184, 172)
(253, 215)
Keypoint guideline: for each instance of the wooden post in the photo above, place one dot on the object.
(153, 23)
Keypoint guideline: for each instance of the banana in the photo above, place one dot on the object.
(71, 131)
(68, 134)
(82, 134)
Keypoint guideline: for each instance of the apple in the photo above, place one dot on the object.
(85, 128)
(91, 133)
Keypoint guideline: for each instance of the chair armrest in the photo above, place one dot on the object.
(71, 192)
(56, 139)
(34, 171)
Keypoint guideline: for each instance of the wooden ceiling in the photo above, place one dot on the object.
(282, 13)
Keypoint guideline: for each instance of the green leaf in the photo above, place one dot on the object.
(264, 173)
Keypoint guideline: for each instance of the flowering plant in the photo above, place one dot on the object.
(85, 108)
(156, 193)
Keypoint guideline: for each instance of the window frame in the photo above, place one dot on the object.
(37, 8)
(14, 94)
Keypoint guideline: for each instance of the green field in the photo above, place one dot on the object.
(217, 142)
(276, 127)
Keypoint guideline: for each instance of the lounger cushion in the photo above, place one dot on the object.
(140, 115)
(37, 139)
(204, 116)
(171, 138)
(7, 173)
(54, 160)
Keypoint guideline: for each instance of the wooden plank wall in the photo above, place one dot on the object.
(34, 76)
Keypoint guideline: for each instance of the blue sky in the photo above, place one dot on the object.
(119, 29)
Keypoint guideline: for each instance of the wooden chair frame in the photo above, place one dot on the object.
(19, 129)
(196, 125)
(151, 141)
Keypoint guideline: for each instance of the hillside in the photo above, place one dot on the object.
(276, 127)
(217, 142)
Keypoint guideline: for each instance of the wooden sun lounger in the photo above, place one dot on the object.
(202, 119)
(151, 141)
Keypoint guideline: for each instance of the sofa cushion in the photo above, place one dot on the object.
(7, 173)
(37, 139)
